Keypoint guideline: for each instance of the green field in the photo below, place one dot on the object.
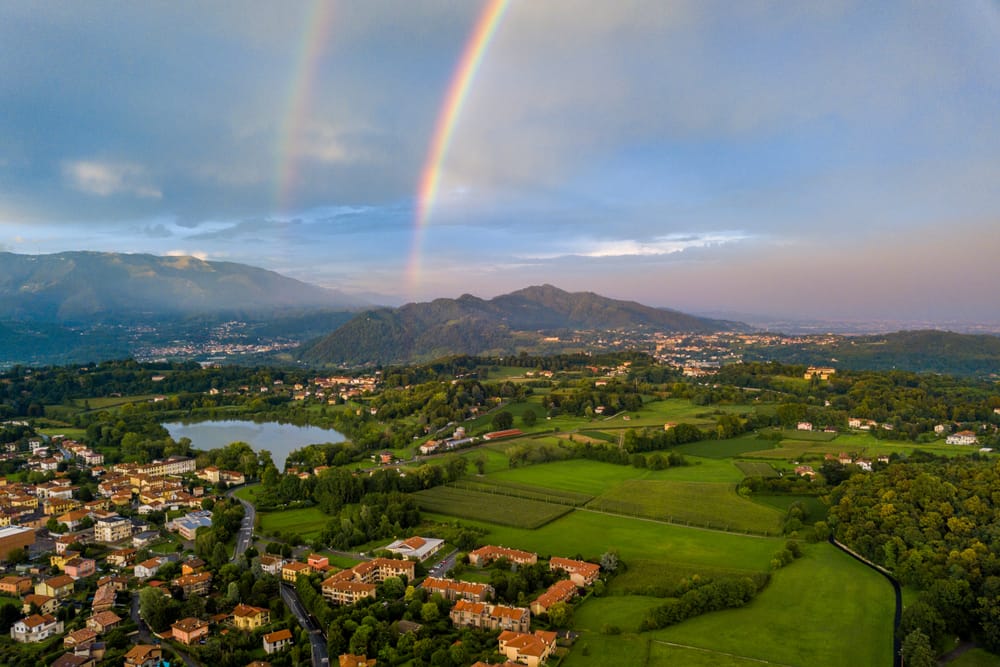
(976, 657)
(756, 469)
(480, 506)
(710, 505)
(724, 449)
(590, 534)
(508, 488)
(801, 618)
(308, 523)
(815, 507)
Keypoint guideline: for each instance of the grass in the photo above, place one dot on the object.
(508, 488)
(477, 505)
(723, 449)
(308, 522)
(590, 534)
(106, 402)
(840, 597)
(647, 577)
(756, 469)
(711, 505)
(665, 655)
(816, 509)
(72, 433)
(8, 600)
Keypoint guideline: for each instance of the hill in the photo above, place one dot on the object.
(84, 287)
(504, 324)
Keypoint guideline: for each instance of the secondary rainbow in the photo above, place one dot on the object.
(458, 90)
(315, 33)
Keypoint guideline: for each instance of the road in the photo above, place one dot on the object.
(442, 567)
(146, 637)
(245, 537)
(320, 658)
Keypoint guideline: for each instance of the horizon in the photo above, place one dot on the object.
(815, 163)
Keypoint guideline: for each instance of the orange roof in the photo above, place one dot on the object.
(277, 636)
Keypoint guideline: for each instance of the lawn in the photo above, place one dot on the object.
(756, 469)
(72, 433)
(105, 402)
(480, 506)
(723, 449)
(590, 534)
(977, 657)
(508, 488)
(308, 522)
(816, 509)
(711, 505)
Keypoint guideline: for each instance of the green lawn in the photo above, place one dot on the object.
(8, 600)
(756, 469)
(977, 657)
(816, 509)
(308, 522)
(711, 504)
(480, 506)
(723, 449)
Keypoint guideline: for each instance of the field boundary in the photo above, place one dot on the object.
(681, 524)
(728, 655)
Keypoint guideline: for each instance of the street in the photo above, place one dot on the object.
(316, 637)
(245, 537)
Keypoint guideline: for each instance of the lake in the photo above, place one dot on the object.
(279, 439)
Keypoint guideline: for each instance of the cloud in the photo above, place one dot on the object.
(104, 179)
(203, 256)
(657, 246)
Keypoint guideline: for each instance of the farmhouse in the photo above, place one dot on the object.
(962, 438)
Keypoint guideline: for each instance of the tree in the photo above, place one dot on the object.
(609, 561)
(502, 421)
(429, 612)
(560, 614)
(529, 418)
(155, 608)
(917, 650)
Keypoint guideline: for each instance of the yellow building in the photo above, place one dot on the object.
(246, 617)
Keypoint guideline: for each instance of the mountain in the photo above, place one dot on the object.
(504, 324)
(86, 286)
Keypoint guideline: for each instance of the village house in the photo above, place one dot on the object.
(291, 571)
(485, 555)
(467, 614)
(60, 586)
(277, 641)
(246, 617)
(148, 568)
(45, 603)
(804, 426)
(271, 564)
(36, 628)
(821, 372)
(194, 584)
(79, 567)
(561, 591)
(318, 562)
(14, 585)
(962, 438)
(451, 589)
(104, 621)
(580, 572)
(143, 655)
(350, 660)
(189, 630)
(79, 638)
(104, 598)
(527, 649)
(121, 557)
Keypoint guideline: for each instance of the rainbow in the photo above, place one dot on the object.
(458, 91)
(315, 34)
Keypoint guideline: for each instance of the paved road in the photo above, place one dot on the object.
(245, 537)
(442, 567)
(146, 637)
(320, 658)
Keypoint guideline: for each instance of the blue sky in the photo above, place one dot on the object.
(809, 160)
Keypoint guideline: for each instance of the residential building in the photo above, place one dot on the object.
(112, 529)
(45, 603)
(277, 641)
(349, 660)
(143, 655)
(349, 586)
(416, 548)
(74, 660)
(561, 591)
(15, 585)
(148, 568)
(122, 557)
(962, 438)
(291, 571)
(104, 598)
(79, 567)
(271, 564)
(343, 588)
(194, 584)
(189, 630)
(451, 589)
(485, 555)
(104, 621)
(466, 614)
(246, 617)
(580, 572)
(79, 638)
(36, 628)
(527, 649)
(318, 562)
(60, 586)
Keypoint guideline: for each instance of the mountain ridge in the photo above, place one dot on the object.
(505, 323)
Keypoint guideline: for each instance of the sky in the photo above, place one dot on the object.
(833, 160)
